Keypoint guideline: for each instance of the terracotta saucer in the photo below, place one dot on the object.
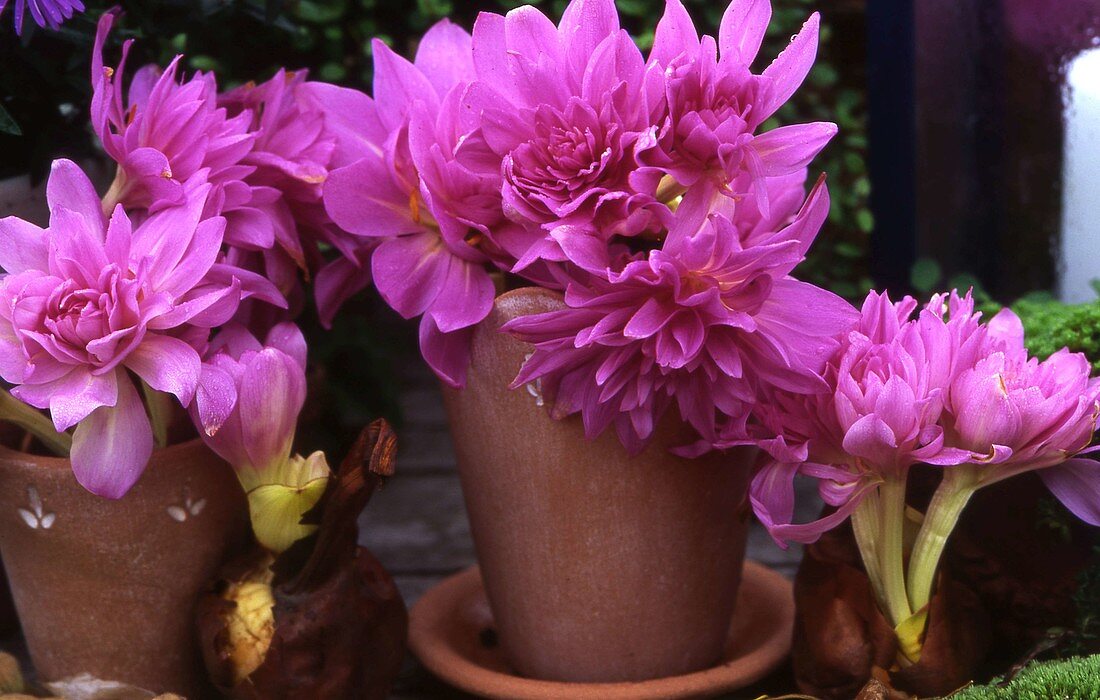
(450, 631)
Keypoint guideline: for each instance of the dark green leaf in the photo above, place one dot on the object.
(7, 124)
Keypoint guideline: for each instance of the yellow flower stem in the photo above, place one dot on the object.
(954, 492)
(866, 525)
(892, 552)
(30, 419)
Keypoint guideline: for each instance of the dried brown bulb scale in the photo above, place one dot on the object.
(321, 621)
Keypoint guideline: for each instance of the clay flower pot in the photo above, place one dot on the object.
(598, 566)
(109, 587)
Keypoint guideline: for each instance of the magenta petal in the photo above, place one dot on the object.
(350, 116)
(397, 85)
(272, 392)
(197, 259)
(583, 249)
(339, 281)
(1076, 484)
(22, 246)
(70, 188)
(742, 29)
(409, 272)
(448, 354)
(675, 35)
(167, 364)
(71, 398)
(112, 446)
(363, 199)
(789, 69)
(871, 438)
(585, 24)
(465, 297)
(532, 34)
(1007, 326)
(444, 56)
(289, 340)
(784, 150)
(215, 399)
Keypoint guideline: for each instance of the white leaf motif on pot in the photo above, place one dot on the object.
(189, 509)
(534, 388)
(35, 516)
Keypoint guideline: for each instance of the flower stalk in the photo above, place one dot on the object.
(892, 549)
(954, 492)
(18, 413)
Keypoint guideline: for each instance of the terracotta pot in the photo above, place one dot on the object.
(598, 566)
(109, 587)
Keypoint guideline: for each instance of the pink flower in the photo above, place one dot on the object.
(46, 13)
(705, 324)
(887, 386)
(283, 221)
(163, 132)
(1013, 414)
(250, 396)
(424, 261)
(89, 300)
(563, 112)
(715, 104)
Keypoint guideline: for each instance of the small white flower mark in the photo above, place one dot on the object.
(189, 508)
(534, 388)
(36, 517)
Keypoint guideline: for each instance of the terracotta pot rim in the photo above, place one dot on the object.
(54, 462)
(533, 290)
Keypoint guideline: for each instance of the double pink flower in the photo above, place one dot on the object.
(90, 300)
(940, 389)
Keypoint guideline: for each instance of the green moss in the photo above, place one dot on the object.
(1073, 679)
(1050, 325)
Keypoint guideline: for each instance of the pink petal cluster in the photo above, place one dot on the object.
(265, 149)
(249, 397)
(1014, 413)
(636, 185)
(705, 323)
(45, 13)
(161, 132)
(213, 219)
(90, 300)
(714, 104)
(939, 388)
(418, 210)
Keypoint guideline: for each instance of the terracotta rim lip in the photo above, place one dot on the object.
(54, 462)
(432, 614)
(529, 291)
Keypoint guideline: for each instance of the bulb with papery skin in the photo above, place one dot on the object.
(277, 628)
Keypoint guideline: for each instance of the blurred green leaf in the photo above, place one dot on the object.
(7, 124)
(332, 73)
(865, 220)
(925, 275)
(320, 11)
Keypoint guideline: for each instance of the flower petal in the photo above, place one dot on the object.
(742, 30)
(272, 393)
(789, 69)
(167, 364)
(70, 188)
(22, 246)
(1076, 484)
(112, 446)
